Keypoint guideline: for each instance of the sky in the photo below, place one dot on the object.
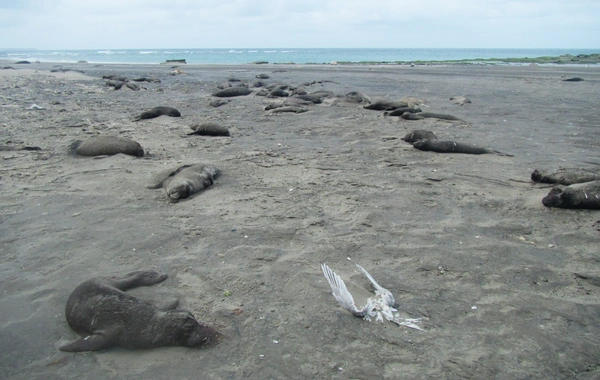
(143, 24)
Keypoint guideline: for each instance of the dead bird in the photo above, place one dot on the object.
(379, 307)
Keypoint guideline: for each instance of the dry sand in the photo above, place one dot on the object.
(461, 240)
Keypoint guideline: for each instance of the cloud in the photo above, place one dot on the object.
(144, 24)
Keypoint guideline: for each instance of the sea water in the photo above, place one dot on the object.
(276, 55)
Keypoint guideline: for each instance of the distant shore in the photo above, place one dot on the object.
(580, 59)
(324, 57)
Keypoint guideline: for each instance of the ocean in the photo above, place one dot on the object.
(276, 55)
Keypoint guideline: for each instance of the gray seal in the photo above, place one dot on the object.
(106, 146)
(184, 181)
(209, 129)
(401, 111)
(233, 91)
(385, 105)
(579, 196)
(159, 111)
(563, 177)
(418, 134)
(426, 115)
(104, 315)
(454, 147)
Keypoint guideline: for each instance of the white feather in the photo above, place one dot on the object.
(378, 307)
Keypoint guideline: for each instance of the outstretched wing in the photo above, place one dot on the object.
(387, 296)
(340, 292)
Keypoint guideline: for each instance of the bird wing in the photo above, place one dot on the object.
(379, 290)
(340, 292)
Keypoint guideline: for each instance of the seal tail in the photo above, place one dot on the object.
(73, 147)
(499, 153)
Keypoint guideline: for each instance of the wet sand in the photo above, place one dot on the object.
(461, 240)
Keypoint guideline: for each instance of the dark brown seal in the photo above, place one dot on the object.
(563, 177)
(233, 91)
(105, 316)
(159, 111)
(579, 196)
(454, 147)
(209, 129)
(418, 134)
(182, 182)
(106, 146)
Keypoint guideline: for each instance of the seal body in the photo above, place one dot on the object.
(106, 146)
(564, 177)
(418, 134)
(579, 196)
(401, 111)
(453, 147)
(184, 181)
(426, 115)
(233, 91)
(159, 111)
(209, 129)
(385, 105)
(104, 315)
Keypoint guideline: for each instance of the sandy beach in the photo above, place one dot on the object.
(508, 288)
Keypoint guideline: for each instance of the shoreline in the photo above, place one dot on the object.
(562, 60)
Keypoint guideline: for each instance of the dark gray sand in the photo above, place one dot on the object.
(459, 239)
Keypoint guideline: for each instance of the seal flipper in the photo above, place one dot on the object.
(96, 342)
(159, 179)
(137, 279)
(73, 147)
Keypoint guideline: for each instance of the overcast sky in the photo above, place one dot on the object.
(142, 24)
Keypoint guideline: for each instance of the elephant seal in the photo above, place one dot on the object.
(460, 100)
(233, 91)
(278, 93)
(159, 111)
(563, 177)
(209, 129)
(289, 109)
(454, 147)
(402, 110)
(356, 97)
(106, 146)
(425, 115)
(310, 98)
(104, 315)
(579, 196)
(418, 134)
(385, 105)
(182, 182)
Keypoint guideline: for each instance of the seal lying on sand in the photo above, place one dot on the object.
(454, 147)
(106, 146)
(233, 91)
(579, 196)
(418, 134)
(401, 111)
(159, 111)
(385, 105)
(379, 307)
(425, 115)
(182, 182)
(209, 129)
(105, 316)
(563, 177)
